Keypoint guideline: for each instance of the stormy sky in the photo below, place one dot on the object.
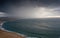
(30, 8)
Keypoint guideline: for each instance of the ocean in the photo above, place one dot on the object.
(39, 28)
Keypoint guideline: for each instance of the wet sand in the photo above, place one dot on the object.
(4, 34)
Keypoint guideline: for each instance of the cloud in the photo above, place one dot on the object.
(31, 8)
(5, 4)
(3, 14)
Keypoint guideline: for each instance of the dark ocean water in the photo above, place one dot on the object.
(44, 27)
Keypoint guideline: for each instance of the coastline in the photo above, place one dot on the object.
(4, 34)
(8, 34)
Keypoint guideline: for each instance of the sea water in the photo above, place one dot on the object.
(41, 28)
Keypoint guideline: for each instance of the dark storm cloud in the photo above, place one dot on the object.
(5, 4)
(10, 6)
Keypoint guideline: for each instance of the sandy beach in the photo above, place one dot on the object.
(4, 34)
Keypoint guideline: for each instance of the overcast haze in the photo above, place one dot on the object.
(31, 8)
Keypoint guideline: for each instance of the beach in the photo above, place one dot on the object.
(4, 34)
